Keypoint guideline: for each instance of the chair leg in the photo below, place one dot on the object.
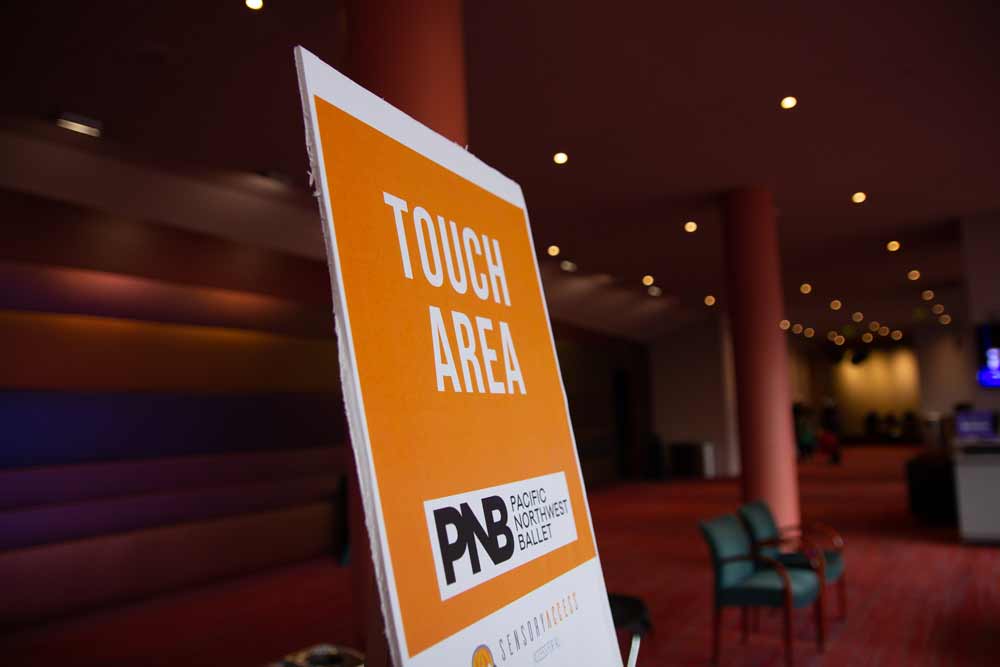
(716, 634)
(842, 594)
(789, 656)
(745, 621)
(820, 623)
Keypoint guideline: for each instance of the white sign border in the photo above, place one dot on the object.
(316, 78)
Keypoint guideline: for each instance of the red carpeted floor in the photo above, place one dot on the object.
(917, 597)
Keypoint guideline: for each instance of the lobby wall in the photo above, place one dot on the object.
(171, 410)
(693, 393)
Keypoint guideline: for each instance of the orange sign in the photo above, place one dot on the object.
(457, 410)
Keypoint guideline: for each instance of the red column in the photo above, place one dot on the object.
(412, 54)
(760, 353)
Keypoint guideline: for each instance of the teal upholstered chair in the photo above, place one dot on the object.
(796, 546)
(747, 580)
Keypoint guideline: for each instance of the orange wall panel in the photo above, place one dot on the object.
(85, 353)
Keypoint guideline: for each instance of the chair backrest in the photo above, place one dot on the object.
(761, 525)
(727, 537)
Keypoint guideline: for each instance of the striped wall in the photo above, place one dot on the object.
(170, 411)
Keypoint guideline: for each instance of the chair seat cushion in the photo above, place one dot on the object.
(834, 563)
(765, 588)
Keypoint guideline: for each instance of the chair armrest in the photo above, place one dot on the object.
(786, 582)
(833, 535)
(815, 527)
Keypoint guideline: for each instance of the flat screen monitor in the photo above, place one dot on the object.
(988, 363)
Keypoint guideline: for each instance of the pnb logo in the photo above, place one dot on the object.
(478, 535)
(460, 534)
(482, 657)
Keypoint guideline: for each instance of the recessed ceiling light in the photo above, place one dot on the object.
(788, 102)
(255, 4)
(857, 316)
(867, 337)
(690, 226)
(553, 251)
(568, 266)
(937, 309)
(560, 158)
(709, 300)
(927, 295)
(79, 124)
(874, 325)
(831, 335)
(784, 325)
(859, 197)
(654, 290)
(805, 288)
(647, 280)
(913, 274)
(892, 246)
(883, 330)
(809, 332)
(839, 340)
(797, 328)
(945, 319)
(836, 304)
(897, 335)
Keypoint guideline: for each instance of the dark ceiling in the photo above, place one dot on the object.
(662, 107)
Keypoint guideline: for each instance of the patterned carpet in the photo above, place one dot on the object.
(916, 597)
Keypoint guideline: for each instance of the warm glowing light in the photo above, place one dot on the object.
(883, 330)
(809, 332)
(690, 226)
(839, 340)
(797, 328)
(945, 319)
(937, 309)
(913, 274)
(859, 197)
(654, 291)
(831, 335)
(784, 325)
(255, 4)
(927, 295)
(647, 280)
(553, 251)
(788, 102)
(805, 288)
(709, 300)
(857, 316)
(867, 337)
(560, 158)
(874, 326)
(897, 335)
(78, 127)
(892, 246)
(568, 266)
(836, 304)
